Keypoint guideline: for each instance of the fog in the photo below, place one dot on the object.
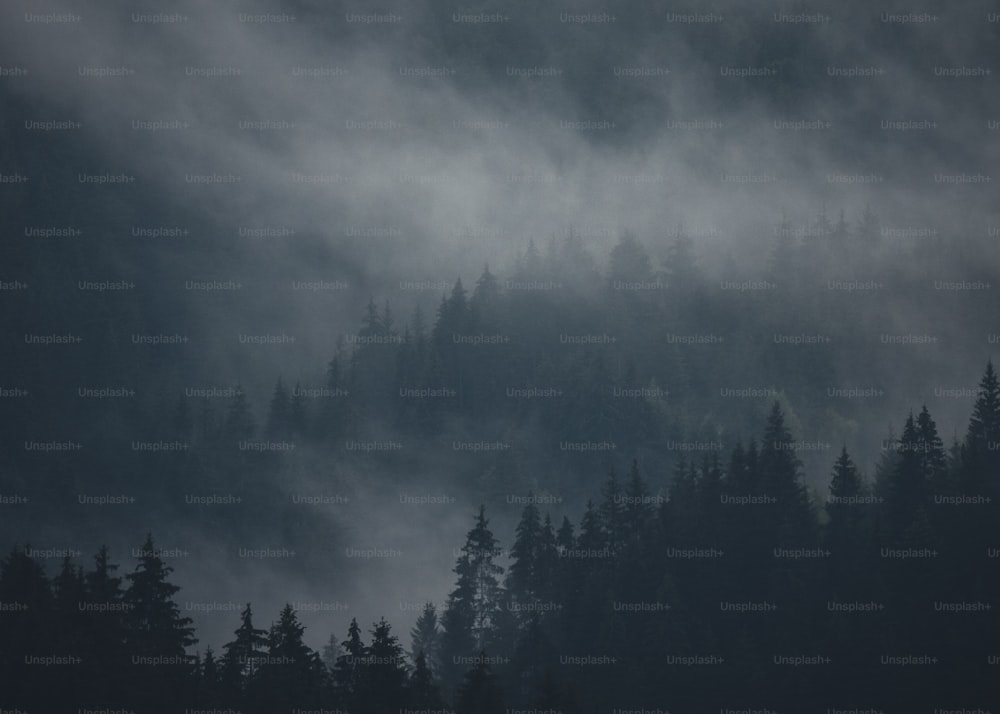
(396, 157)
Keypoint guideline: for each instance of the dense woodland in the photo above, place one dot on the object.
(685, 362)
(736, 590)
(687, 346)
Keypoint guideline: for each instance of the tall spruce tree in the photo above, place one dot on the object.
(292, 676)
(279, 415)
(479, 692)
(383, 682)
(474, 605)
(425, 638)
(349, 671)
(156, 635)
(241, 657)
(522, 575)
(781, 479)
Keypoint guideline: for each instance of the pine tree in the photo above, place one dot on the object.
(279, 416)
(908, 488)
(292, 675)
(710, 489)
(568, 575)
(981, 468)
(629, 261)
(209, 680)
(153, 619)
(565, 539)
(334, 411)
(453, 316)
(101, 585)
(841, 233)
(481, 548)
(679, 515)
(241, 658)
(474, 606)
(479, 692)
(780, 470)
(934, 461)
(593, 537)
(371, 323)
(284, 641)
(529, 266)
(423, 692)
(485, 302)
(299, 414)
(522, 580)
(349, 670)
(27, 631)
(331, 652)
(155, 631)
(69, 592)
(383, 682)
(638, 511)
(425, 638)
(239, 424)
(546, 562)
(104, 656)
(869, 230)
(682, 271)
(386, 320)
(846, 535)
(783, 257)
(69, 589)
(841, 508)
(612, 512)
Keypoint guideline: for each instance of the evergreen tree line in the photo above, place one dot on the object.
(734, 589)
(645, 393)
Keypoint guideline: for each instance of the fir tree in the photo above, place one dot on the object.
(280, 412)
(474, 606)
(522, 579)
(383, 682)
(292, 675)
(241, 658)
(425, 638)
(240, 423)
(349, 670)
(479, 692)
(153, 619)
(780, 470)
(423, 691)
(155, 631)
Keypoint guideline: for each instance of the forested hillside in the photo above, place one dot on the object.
(727, 589)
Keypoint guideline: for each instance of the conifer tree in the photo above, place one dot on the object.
(156, 635)
(425, 638)
(239, 423)
(522, 577)
(292, 675)
(612, 511)
(349, 671)
(423, 691)
(474, 606)
(153, 620)
(780, 469)
(279, 413)
(638, 510)
(479, 692)
(383, 682)
(241, 658)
